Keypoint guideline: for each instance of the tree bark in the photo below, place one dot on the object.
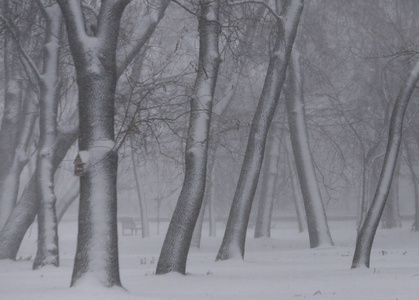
(391, 213)
(317, 226)
(9, 123)
(96, 72)
(178, 238)
(264, 214)
(235, 235)
(414, 178)
(47, 253)
(20, 159)
(24, 213)
(366, 235)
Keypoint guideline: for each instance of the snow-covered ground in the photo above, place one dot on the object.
(278, 268)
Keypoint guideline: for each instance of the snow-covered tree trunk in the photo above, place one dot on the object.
(220, 109)
(363, 203)
(10, 122)
(414, 179)
(265, 206)
(196, 237)
(235, 235)
(317, 226)
(145, 231)
(391, 213)
(197, 233)
(20, 159)
(47, 253)
(211, 207)
(366, 235)
(24, 213)
(178, 238)
(95, 62)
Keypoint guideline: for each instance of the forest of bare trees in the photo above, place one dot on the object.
(239, 114)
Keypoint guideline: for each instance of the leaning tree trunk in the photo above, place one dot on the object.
(220, 109)
(318, 229)
(96, 72)
(391, 213)
(178, 238)
(21, 158)
(24, 213)
(9, 123)
(235, 235)
(265, 207)
(47, 253)
(414, 178)
(366, 235)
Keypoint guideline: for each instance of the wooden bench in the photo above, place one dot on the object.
(131, 224)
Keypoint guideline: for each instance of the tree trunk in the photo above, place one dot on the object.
(298, 201)
(96, 72)
(145, 231)
(367, 233)
(235, 235)
(196, 237)
(47, 253)
(264, 214)
(410, 164)
(318, 229)
(178, 238)
(363, 204)
(211, 206)
(9, 124)
(197, 233)
(20, 159)
(391, 213)
(24, 213)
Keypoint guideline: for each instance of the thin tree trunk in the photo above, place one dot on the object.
(235, 235)
(47, 253)
(24, 213)
(178, 238)
(10, 123)
(298, 201)
(367, 233)
(363, 204)
(410, 164)
(318, 229)
(20, 159)
(211, 206)
(220, 109)
(263, 219)
(391, 213)
(145, 231)
(196, 236)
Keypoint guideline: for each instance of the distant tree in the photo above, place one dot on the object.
(366, 235)
(287, 20)
(178, 238)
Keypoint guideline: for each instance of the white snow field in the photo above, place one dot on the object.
(279, 268)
